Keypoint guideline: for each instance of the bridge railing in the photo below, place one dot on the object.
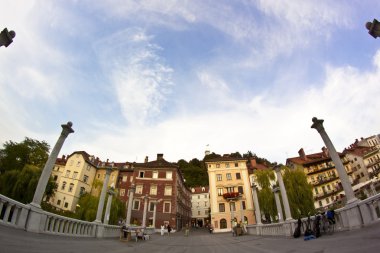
(60, 225)
(12, 213)
(352, 216)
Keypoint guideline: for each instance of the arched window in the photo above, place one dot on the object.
(223, 223)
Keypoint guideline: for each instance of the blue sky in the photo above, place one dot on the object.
(138, 78)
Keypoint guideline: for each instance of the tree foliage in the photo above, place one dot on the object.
(14, 156)
(194, 172)
(299, 191)
(265, 195)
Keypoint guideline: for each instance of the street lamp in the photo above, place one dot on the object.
(373, 28)
(6, 37)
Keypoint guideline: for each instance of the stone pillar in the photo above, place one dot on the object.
(145, 210)
(232, 213)
(241, 211)
(108, 206)
(278, 203)
(256, 203)
(284, 196)
(130, 203)
(103, 196)
(350, 196)
(154, 212)
(46, 172)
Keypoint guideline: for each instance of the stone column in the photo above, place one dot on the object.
(278, 203)
(154, 214)
(256, 203)
(145, 210)
(106, 219)
(284, 196)
(241, 211)
(103, 196)
(46, 172)
(350, 196)
(130, 203)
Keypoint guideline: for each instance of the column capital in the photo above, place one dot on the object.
(276, 189)
(318, 124)
(109, 170)
(277, 168)
(67, 128)
(111, 191)
(254, 186)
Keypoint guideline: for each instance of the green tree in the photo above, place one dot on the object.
(194, 172)
(265, 195)
(14, 156)
(299, 191)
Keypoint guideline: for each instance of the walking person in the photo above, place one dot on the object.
(169, 229)
(187, 230)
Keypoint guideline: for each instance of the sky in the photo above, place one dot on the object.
(142, 77)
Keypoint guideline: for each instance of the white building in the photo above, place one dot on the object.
(200, 206)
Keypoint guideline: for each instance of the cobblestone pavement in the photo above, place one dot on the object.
(200, 241)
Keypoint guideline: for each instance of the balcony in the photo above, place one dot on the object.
(324, 180)
(231, 195)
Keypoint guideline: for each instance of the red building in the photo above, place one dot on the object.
(160, 182)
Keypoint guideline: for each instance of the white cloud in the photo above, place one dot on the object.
(140, 77)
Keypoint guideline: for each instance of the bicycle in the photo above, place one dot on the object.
(327, 224)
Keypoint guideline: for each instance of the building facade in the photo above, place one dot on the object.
(322, 175)
(160, 185)
(230, 192)
(200, 206)
(74, 176)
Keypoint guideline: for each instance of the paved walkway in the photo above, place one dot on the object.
(199, 241)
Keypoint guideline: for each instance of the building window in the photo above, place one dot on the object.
(155, 174)
(82, 191)
(168, 190)
(227, 165)
(238, 176)
(67, 173)
(151, 207)
(223, 223)
(218, 165)
(122, 192)
(125, 178)
(66, 204)
(169, 175)
(85, 178)
(218, 177)
(199, 212)
(232, 206)
(71, 187)
(153, 190)
(55, 178)
(63, 186)
(78, 163)
(320, 203)
(167, 207)
(98, 175)
(139, 189)
(58, 202)
(222, 208)
(230, 189)
(141, 174)
(88, 167)
(136, 204)
(228, 176)
(236, 164)
(220, 191)
(75, 174)
(243, 204)
(240, 189)
(316, 190)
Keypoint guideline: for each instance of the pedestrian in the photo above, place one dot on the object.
(187, 230)
(162, 230)
(169, 229)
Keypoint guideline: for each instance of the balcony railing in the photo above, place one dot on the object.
(231, 195)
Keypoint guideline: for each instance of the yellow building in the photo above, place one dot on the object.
(74, 176)
(101, 175)
(230, 192)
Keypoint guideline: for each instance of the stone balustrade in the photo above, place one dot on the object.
(60, 225)
(12, 213)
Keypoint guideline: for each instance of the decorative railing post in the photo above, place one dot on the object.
(276, 191)
(106, 219)
(130, 202)
(256, 203)
(284, 196)
(46, 172)
(318, 125)
(103, 196)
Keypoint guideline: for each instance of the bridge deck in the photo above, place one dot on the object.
(364, 240)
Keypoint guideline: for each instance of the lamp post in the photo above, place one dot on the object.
(6, 37)
(373, 28)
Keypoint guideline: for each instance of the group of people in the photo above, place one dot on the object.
(238, 228)
(166, 229)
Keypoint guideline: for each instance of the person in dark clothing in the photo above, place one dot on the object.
(169, 229)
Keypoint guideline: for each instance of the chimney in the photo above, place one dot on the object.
(325, 152)
(146, 159)
(63, 157)
(302, 154)
(253, 163)
(160, 157)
